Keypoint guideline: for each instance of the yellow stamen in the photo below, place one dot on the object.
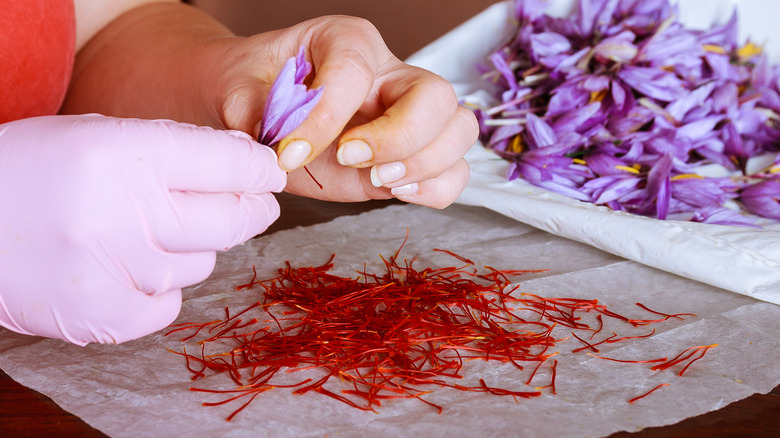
(775, 169)
(597, 96)
(712, 48)
(578, 161)
(748, 51)
(628, 169)
(516, 145)
(686, 176)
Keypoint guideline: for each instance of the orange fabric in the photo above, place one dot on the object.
(37, 49)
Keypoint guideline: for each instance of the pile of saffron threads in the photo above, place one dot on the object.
(621, 105)
(400, 334)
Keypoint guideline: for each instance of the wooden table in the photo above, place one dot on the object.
(27, 413)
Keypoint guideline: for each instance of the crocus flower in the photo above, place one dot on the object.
(620, 104)
(289, 101)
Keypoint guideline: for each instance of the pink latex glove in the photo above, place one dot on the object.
(104, 220)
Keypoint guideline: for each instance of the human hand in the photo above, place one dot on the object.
(104, 220)
(381, 129)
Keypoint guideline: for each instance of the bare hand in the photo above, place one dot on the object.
(382, 129)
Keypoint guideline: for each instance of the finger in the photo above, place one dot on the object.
(198, 158)
(346, 53)
(420, 106)
(147, 268)
(441, 154)
(213, 221)
(243, 107)
(438, 192)
(221, 161)
(112, 318)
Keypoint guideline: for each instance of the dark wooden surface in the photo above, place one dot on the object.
(27, 413)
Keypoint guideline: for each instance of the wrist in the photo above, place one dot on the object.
(151, 62)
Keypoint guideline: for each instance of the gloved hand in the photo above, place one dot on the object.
(104, 220)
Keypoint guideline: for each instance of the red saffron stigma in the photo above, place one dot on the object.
(400, 333)
(648, 392)
(313, 178)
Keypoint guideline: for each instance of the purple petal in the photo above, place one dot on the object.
(605, 164)
(671, 47)
(541, 133)
(762, 199)
(722, 216)
(282, 91)
(500, 63)
(734, 146)
(654, 83)
(702, 192)
(298, 115)
(530, 10)
(619, 48)
(546, 44)
(699, 128)
(302, 67)
(659, 185)
(573, 120)
(679, 108)
(592, 13)
(618, 94)
(567, 97)
(610, 188)
(724, 35)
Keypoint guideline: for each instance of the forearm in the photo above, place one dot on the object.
(155, 61)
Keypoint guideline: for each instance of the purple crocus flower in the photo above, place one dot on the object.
(289, 101)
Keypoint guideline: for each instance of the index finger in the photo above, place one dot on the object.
(201, 159)
(346, 52)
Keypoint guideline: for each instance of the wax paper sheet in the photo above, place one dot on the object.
(738, 259)
(138, 389)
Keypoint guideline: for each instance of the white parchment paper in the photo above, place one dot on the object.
(738, 259)
(139, 389)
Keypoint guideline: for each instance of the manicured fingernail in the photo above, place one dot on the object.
(294, 154)
(387, 173)
(354, 152)
(407, 190)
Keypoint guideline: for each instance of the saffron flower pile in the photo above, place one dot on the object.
(620, 105)
(404, 333)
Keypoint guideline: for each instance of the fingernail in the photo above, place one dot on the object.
(294, 154)
(354, 152)
(387, 173)
(407, 190)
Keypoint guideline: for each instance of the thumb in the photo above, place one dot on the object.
(346, 53)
